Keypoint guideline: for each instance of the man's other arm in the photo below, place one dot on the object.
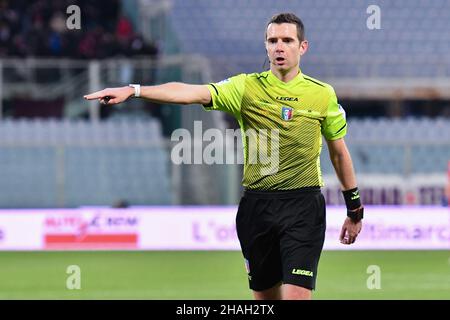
(342, 163)
(172, 92)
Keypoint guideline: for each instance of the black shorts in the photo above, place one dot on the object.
(281, 235)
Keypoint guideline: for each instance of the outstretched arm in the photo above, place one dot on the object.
(342, 162)
(172, 92)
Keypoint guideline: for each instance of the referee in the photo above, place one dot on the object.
(281, 217)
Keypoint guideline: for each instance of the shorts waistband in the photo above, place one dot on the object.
(273, 194)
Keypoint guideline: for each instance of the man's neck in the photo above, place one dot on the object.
(286, 76)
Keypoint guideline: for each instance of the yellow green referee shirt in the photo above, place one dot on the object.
(283, 123)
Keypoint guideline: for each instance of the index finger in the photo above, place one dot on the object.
(95, 95)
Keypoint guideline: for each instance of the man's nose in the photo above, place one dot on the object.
(279, 46)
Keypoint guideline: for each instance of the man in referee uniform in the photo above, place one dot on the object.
(281, 217)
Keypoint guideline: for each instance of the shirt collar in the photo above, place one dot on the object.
(296, 80)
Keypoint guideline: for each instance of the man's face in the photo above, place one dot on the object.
(283, 47)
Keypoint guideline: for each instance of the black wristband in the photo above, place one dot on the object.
(356, 215)
(352, 198)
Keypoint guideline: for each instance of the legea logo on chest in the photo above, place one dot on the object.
(286, 98)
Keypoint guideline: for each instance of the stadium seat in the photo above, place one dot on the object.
(86, 163)
(416, 29)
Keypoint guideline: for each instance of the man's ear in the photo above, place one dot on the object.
(303, 47)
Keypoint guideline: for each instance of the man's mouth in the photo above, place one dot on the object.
(279, 59)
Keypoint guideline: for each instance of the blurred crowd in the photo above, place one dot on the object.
(38, 28)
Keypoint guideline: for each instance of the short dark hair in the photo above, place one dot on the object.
(289, 18)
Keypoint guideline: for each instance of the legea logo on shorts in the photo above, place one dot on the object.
(301, 272)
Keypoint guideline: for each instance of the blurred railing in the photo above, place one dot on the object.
(71, 79)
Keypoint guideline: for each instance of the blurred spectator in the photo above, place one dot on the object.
(39, 29)
(124, 30)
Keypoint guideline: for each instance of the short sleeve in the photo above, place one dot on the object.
(334, 126)
(227, 94)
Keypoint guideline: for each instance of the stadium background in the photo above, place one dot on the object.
(77, 177)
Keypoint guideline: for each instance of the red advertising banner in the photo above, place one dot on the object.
(91, 229)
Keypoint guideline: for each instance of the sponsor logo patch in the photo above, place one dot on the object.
(286, 113)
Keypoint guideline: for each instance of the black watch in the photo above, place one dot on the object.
(356, 215)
